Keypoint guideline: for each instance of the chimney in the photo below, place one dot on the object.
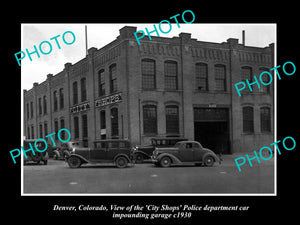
(243, 37)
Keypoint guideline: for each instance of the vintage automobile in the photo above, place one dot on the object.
(142, 153)
(38, 156)
(115, 151)
(64, 150)
(184, 153)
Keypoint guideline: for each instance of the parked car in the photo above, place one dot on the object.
(145, 152)
(184, 153)
(37, 156)
(114, 151)
(64, 150)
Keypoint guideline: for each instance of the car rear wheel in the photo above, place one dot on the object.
(121, 162)
(74, 162)
(209, 161)
(139, 158)
(165, 162)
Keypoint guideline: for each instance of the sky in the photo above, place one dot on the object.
(99, 35)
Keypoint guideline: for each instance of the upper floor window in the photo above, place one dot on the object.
(61, 98)
(101, 83)
(83, 89)
(201, 77)
(220, 77)
(75, 93)
(148, 74)
(171, 75)
(113, 78)
(247, 75)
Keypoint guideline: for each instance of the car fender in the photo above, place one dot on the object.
(126, 156)
(81, 157)
(142, 153)
(216, 158)
(174, 159)
(57, 153)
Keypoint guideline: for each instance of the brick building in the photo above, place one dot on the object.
(164, 87)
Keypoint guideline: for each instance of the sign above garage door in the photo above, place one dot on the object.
(211, 114)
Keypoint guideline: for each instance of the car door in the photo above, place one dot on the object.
(198, 152)
(186, 152)
(99, 152)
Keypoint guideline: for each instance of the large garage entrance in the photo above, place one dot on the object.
(212, 128)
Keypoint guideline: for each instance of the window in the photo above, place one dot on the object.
(101, 83)
(201, 77)
(248, 121)
(45, 104)
(102, 120)
(113, 78)
(171, 81)
(148, 74)
(150, 119)
(220, 77)
(172, 119)
(27, 109)
(83, 89)
(75, 93)
(31, 109)
(56, 128)
(247, 75)
(55, 101)
(265, 119)
(40, 106)
(32, 132)
(114, 122)
(45, 128)
(28, 132)
(61, 98)
(84, 126)
(41, 130)
(76, 127)
(62, 125)
(265, 79)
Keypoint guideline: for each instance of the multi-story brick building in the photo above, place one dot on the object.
(176, 86)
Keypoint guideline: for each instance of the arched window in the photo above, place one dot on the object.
(113, 78)
(201, 77)
(114, 122)
(148, 74)
(83, 89)
(101, 83)
(265, 79)
(172, 119)
(150, 119)
(247, 75)
(61, 98)
(75, 93)
(248, 119)
(265, 119)
(220, 78)
(171, 75)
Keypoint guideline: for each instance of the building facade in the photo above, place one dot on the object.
(164, 87)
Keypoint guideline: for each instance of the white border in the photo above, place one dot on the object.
(164, 194)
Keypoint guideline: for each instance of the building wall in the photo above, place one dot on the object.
(127, 56)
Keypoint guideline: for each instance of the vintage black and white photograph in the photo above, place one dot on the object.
(149, 109)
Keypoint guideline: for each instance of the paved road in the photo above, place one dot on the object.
(58, 178)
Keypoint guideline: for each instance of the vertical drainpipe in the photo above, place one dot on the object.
(182, 93)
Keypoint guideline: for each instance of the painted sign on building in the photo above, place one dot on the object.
(108, 100)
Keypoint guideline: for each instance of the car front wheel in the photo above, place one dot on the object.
(209, 161)
(121, 162)
(165, 162)
(74, 162)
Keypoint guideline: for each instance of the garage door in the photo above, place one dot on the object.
(212, 128)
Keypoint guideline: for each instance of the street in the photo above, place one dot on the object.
(58, 178)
